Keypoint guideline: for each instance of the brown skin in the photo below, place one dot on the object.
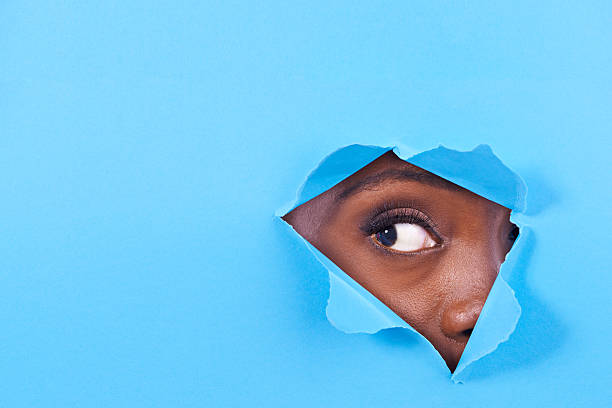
(440, 288)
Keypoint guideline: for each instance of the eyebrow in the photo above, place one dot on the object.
(375, 180)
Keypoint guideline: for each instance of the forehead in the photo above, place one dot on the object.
(389, 177)
(387, 169)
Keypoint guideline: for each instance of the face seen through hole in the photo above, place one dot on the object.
(427, 248)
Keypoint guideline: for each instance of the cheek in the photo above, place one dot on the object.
(417, 295)
(412, 286)
(409, 285)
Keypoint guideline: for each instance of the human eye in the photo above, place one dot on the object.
(404, 230)
(405, 237)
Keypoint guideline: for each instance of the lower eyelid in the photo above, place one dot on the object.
(390, 252)
(386, 250)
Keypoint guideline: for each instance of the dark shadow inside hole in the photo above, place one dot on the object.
(427, 248)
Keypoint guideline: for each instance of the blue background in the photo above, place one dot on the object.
(144, 147)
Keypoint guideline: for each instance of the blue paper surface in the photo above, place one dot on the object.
(145, 147)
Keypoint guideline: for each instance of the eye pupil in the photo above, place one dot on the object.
(388, 236)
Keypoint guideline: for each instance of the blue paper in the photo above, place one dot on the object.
(145, 147)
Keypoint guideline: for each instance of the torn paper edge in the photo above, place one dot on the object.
(340, 282)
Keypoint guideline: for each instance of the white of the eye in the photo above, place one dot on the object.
(411, 237)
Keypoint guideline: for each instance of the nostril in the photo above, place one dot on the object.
(459, 319)
(467, 333)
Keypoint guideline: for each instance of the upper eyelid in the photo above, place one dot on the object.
(420, 214)
(401, 218)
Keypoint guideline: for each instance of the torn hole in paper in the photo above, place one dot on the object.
(415, 243)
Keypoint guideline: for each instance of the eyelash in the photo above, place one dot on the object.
(390, 214)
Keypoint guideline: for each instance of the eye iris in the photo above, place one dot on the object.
(388, 236)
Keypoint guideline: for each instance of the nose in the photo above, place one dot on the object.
(459, 318)
(473, 270)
